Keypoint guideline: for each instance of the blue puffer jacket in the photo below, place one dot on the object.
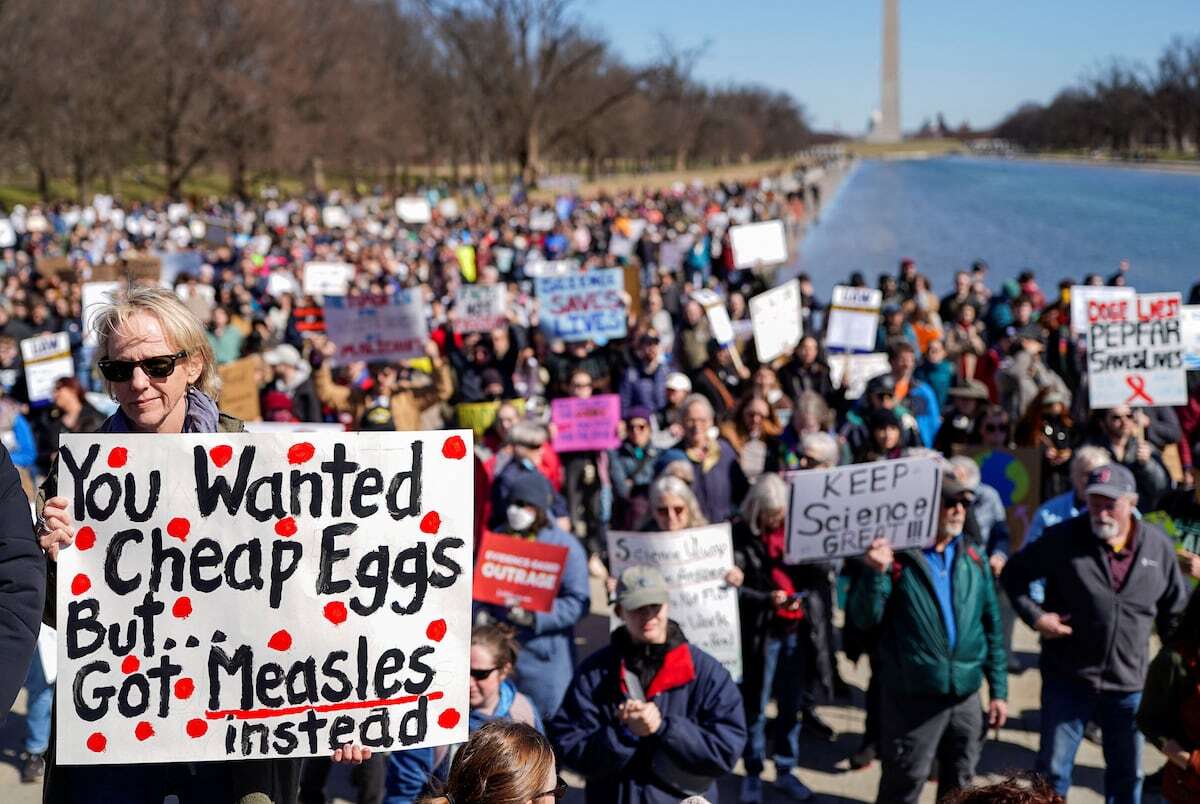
(703, 729)
(547, 658)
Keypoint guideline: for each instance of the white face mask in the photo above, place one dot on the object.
(520, 518)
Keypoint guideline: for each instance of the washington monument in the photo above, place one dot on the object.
(886, 126)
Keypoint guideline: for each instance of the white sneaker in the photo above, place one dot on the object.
(752, 790)
(795, 788)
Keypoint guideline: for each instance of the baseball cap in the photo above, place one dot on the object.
(283, 354)
(1112, 480)
(641, 586)
(970, 389)
(679, 382)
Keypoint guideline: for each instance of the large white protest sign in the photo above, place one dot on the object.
(853, 319)
(327, 278)
(540, 268)
(414, 209)
(1081, 295)
(8, 236)
(838, 512)
(778, 324)
(851, 372)
(694, 563)
(480, 308)
(249, 596)
(762, 243)
(47, 359)
(376, 328)
(583, 306)
(93, 297)
(1135, 352)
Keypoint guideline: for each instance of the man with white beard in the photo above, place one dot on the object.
(1109, 578)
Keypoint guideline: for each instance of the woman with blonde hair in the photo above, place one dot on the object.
(503, 763)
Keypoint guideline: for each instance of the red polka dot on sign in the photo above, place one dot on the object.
(221, 454)
(436, 630)
(196, 727)
(454, 448)
(96, 742)
(280, 640)
(431, 522)
(117, 457)
(80, 584)
(299, 453)
(130, 664)
(85, 538)
(335, 612)
(184, 688)
(179, 528)
(182, 608)
(143, 731)
(286, 527)
(449, 719)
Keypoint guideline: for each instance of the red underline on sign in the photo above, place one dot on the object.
(255, 714)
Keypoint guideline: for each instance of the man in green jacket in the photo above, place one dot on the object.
(939, 635)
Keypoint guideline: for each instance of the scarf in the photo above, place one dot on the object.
(201, 416)
(776, 542)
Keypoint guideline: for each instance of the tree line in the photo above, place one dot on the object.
(372, 90)
(1121, 106)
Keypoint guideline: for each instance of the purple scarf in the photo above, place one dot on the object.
(201, 416)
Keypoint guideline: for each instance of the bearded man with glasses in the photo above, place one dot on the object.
(1121, 435)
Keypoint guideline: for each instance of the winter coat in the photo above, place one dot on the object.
(22, 584)
(719, 488)
(406, 405)
(639, 388)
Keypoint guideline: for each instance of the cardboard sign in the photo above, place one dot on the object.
(1135, 352)
(582, 307)
(274, 595)
(480, 308)
(478, 416)
(694, 563)
(851, 373)
(1082, 295)
(376, 328)
(511, 571)
(583, 425)
(239, 388)
(47, 360)
(755, 244)
(327, 278)
(1016, 475)
(853, 319)
(1190, 317)
(836, 513)
(414, 209)
(140, 267)
(52, 266)
(94, 296)
(778, 324)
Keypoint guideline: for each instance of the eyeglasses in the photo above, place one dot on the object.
(481, 675)
(677, 510)
(560, 790)
(158, 367)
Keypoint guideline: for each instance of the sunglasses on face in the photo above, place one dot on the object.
(158, 367)
(560, 790)
(964, 500)
(481, 675)
(664, 510)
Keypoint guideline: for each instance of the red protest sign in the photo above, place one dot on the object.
(510, 571)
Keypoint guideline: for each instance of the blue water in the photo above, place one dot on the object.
(1057, 220)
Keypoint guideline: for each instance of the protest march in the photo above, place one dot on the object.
(406, 446)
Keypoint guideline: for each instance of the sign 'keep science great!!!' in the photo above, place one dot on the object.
(267, 595)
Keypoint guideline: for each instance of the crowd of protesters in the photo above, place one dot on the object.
(707, 432)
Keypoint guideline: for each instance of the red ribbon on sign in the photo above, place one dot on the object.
(1138, 384)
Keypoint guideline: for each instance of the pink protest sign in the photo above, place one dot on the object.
(586, 424)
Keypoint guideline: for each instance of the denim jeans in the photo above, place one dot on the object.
(40, 703)
(784, 663)
(1067, 706)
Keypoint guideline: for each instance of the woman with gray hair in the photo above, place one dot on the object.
(777, 635)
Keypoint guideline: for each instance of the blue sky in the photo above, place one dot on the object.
(971, 60)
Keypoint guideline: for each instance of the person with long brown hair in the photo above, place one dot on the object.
(503, 763)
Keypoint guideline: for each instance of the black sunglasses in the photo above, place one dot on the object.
(158, 367)
(965, 500)
(560, 790)
(480, 675)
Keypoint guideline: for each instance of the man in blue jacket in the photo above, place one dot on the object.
(650, 719)
(22, 584)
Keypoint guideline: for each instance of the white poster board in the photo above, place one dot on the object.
(480, 308)
(335, 217)
(1135, 352)
(1190, 316)
(852, 372)
(694, 563)
(778, 324)
(8, 236)
(1081, 295)
(718, 317)
(835, 513)
(376, 328)
(414, 209)
(283, 594)
(47, 359)
(762, 243)
(327, 278)
(93, 297)
(853, 319)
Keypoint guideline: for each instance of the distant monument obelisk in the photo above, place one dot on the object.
(887, 121)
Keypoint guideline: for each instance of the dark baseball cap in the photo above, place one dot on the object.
(1112, 480)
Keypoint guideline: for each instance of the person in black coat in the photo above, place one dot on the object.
(22, 584)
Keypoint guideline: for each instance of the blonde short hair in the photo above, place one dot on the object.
(181, 328)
